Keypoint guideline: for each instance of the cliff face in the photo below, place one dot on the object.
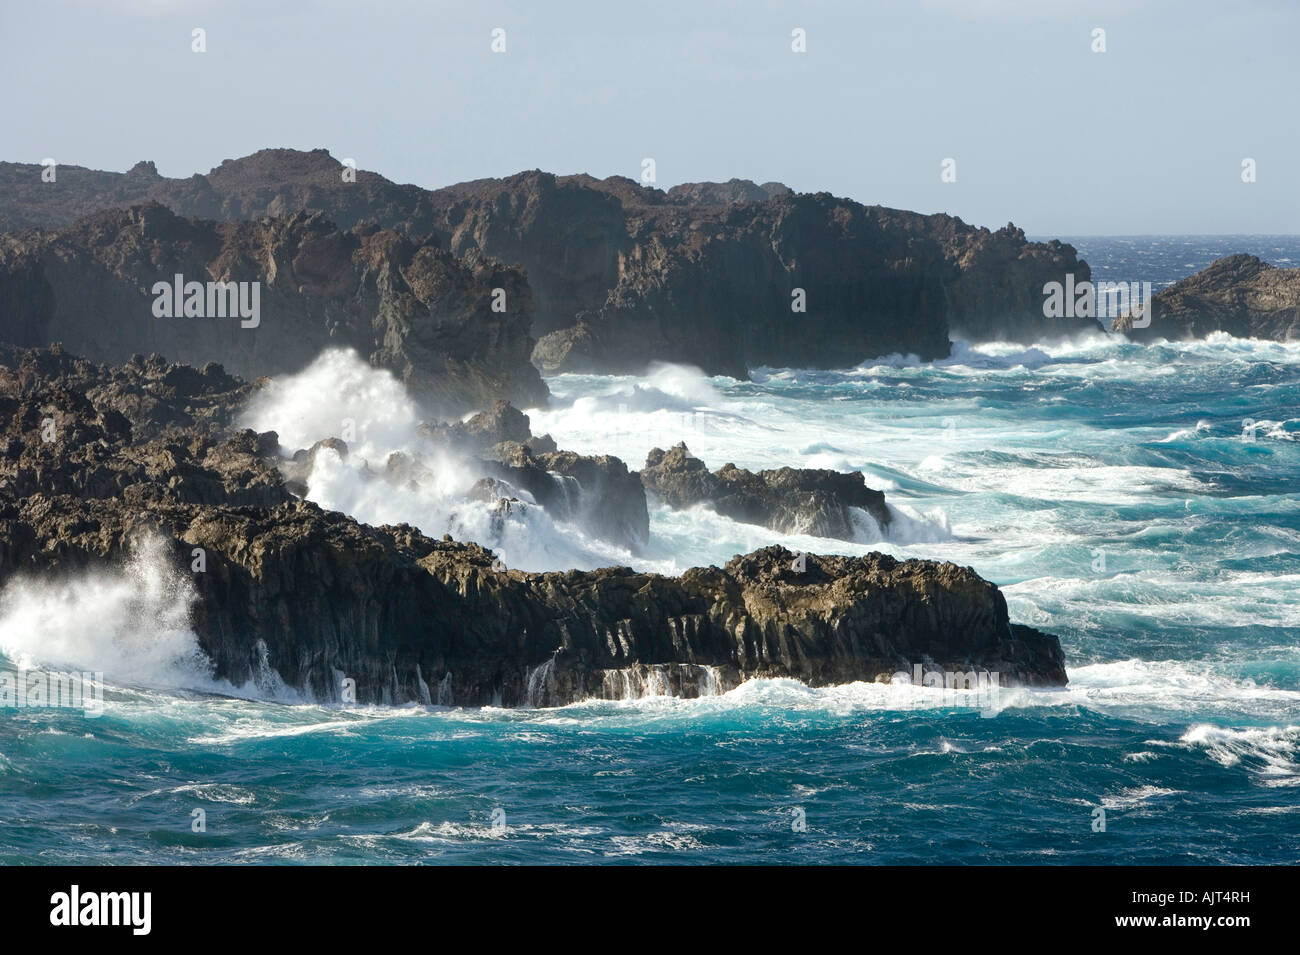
(566, 236)
(1238, 294)
(146, 450)
(714, 276)
(412, 308)
(797, 280)
(622, 275)
(997, 294)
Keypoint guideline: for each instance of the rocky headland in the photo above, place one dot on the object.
(410, 307)
(726, 276)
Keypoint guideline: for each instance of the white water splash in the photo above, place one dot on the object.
(131, 623)
(341, 396)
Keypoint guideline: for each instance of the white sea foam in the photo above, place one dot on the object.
(1271, 754)
(337, 391)
(1135, 796)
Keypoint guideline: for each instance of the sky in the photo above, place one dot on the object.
(1146, 137)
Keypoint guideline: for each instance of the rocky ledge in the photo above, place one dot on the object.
(790, 500)
(95, 460)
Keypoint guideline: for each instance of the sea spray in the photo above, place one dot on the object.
(131, 622)
(341, 396)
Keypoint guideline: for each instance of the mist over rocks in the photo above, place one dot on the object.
(598, 493)
(595, 492)
(413, 308)
(790, 500)
(1238, 294)
(287, 593)
(622, 275)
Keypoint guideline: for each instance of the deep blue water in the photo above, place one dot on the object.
(1113, 490)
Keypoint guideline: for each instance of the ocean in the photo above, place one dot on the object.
(1142, 502)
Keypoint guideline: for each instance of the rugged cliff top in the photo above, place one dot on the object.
(703, 272)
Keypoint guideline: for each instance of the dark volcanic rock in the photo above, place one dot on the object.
(138, 435)
(622, 275)
(724, 193)
(567, 237)
(790, 500)
(152, 394)
(318, 598)
(269, 183)
(411, 308)
(1238, 294)
(716, 287)
(499, 423)
(597, 493)
(998, 292)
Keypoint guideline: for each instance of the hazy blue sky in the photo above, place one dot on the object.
(1146, 137)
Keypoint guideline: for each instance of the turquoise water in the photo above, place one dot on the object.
(1113, 490)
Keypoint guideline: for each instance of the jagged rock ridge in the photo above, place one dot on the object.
(790, 500)
(622, 274)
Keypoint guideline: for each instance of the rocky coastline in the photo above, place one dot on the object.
(96, 461)
(606, 275)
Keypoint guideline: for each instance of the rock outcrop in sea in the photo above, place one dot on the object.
(790, 500)
(1238, 294)
(96, 459)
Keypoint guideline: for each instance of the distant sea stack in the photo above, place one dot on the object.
(96, 461)
(726, 276)
(1238, 294)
